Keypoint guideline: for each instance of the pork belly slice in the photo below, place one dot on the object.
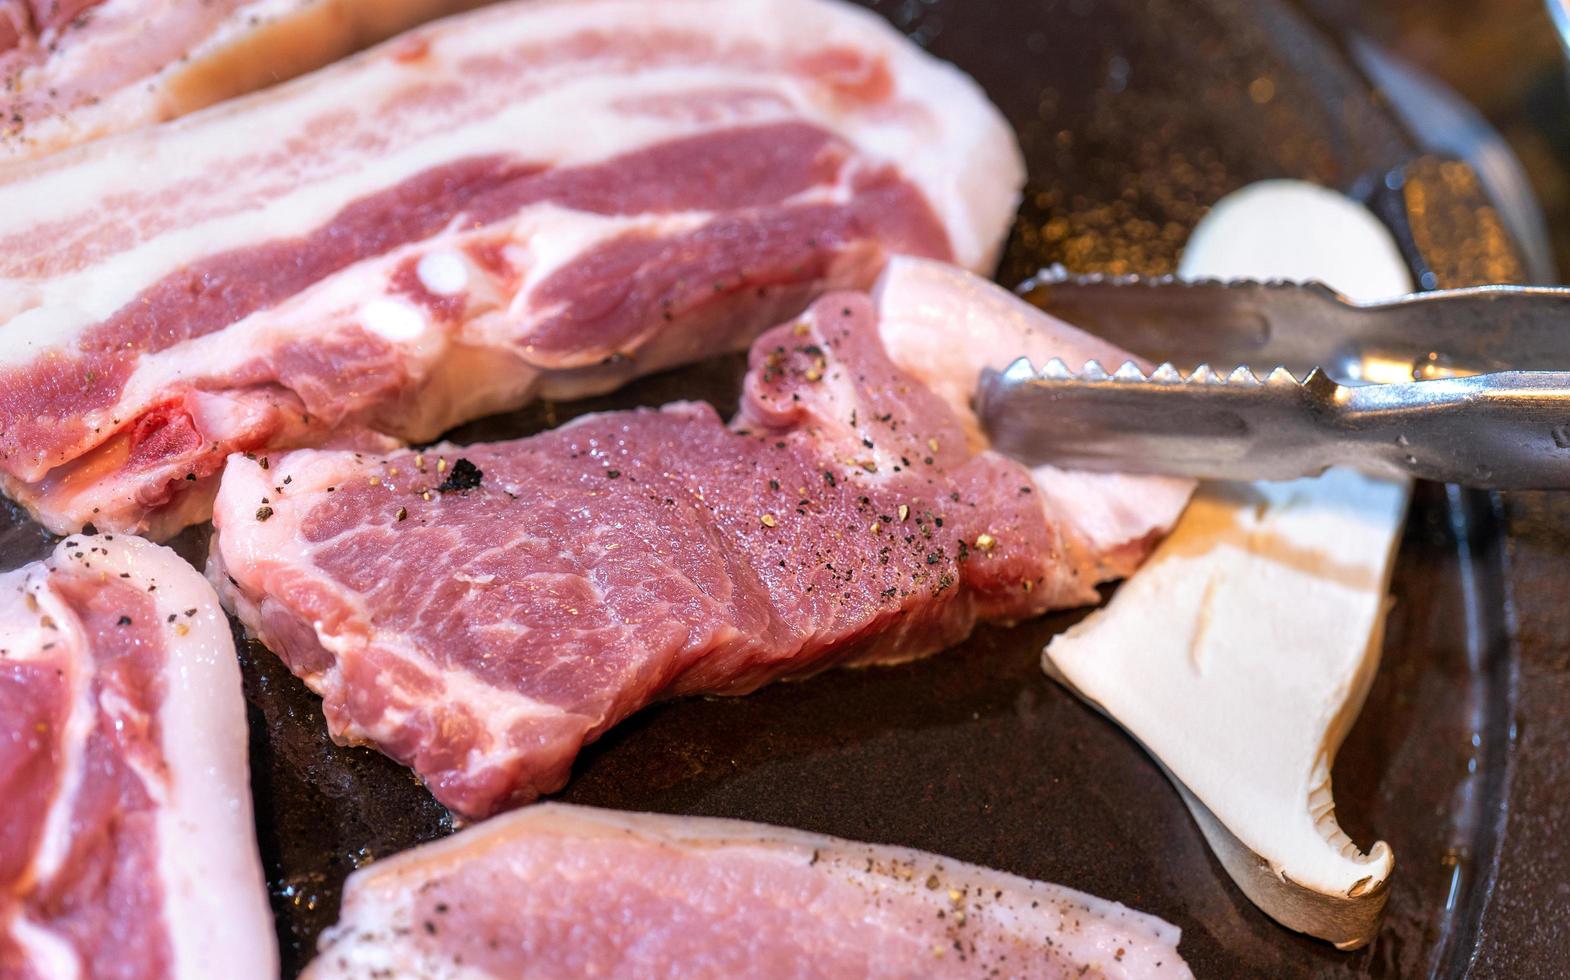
(539, 198)
(76, 70)
(126, 842)
(567, 891)
(481, 612)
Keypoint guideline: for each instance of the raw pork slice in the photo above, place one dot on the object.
(480, 613)
(540, 198)
(75, 70)
(566, 891)
(126, 843)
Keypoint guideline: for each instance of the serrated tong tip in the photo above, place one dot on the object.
(1129, 372)
(1501, 430)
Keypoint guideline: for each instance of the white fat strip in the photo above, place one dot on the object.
(55, 844)
(46, 951)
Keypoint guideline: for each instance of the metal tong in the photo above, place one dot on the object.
(1458, 386)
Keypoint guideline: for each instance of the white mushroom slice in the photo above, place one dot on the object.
(1240, 654)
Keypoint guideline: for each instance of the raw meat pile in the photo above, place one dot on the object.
(481, 612)
(252, 312)
(542, 198)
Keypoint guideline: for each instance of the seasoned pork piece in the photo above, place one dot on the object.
(479, 613)
(75, 70)
(567, 891)
(126, 843)
(537, 198)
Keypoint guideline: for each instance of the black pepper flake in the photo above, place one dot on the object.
(612, 474)
(463, 477)
(403, 513)
(263, 463)
(191, 477)
(89, 530)
(263, 512)
(125, 621)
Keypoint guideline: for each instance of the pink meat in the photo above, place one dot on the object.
(77, 70)
(24, 20)
(483, 634)
(124, 805)
(564, 891)
(424, 238)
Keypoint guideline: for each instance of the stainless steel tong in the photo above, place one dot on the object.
(1460, 386)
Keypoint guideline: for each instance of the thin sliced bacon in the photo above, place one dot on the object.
(76, 70)
(480, 613)
(540, 198)
(567, 891)
(126, 843)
